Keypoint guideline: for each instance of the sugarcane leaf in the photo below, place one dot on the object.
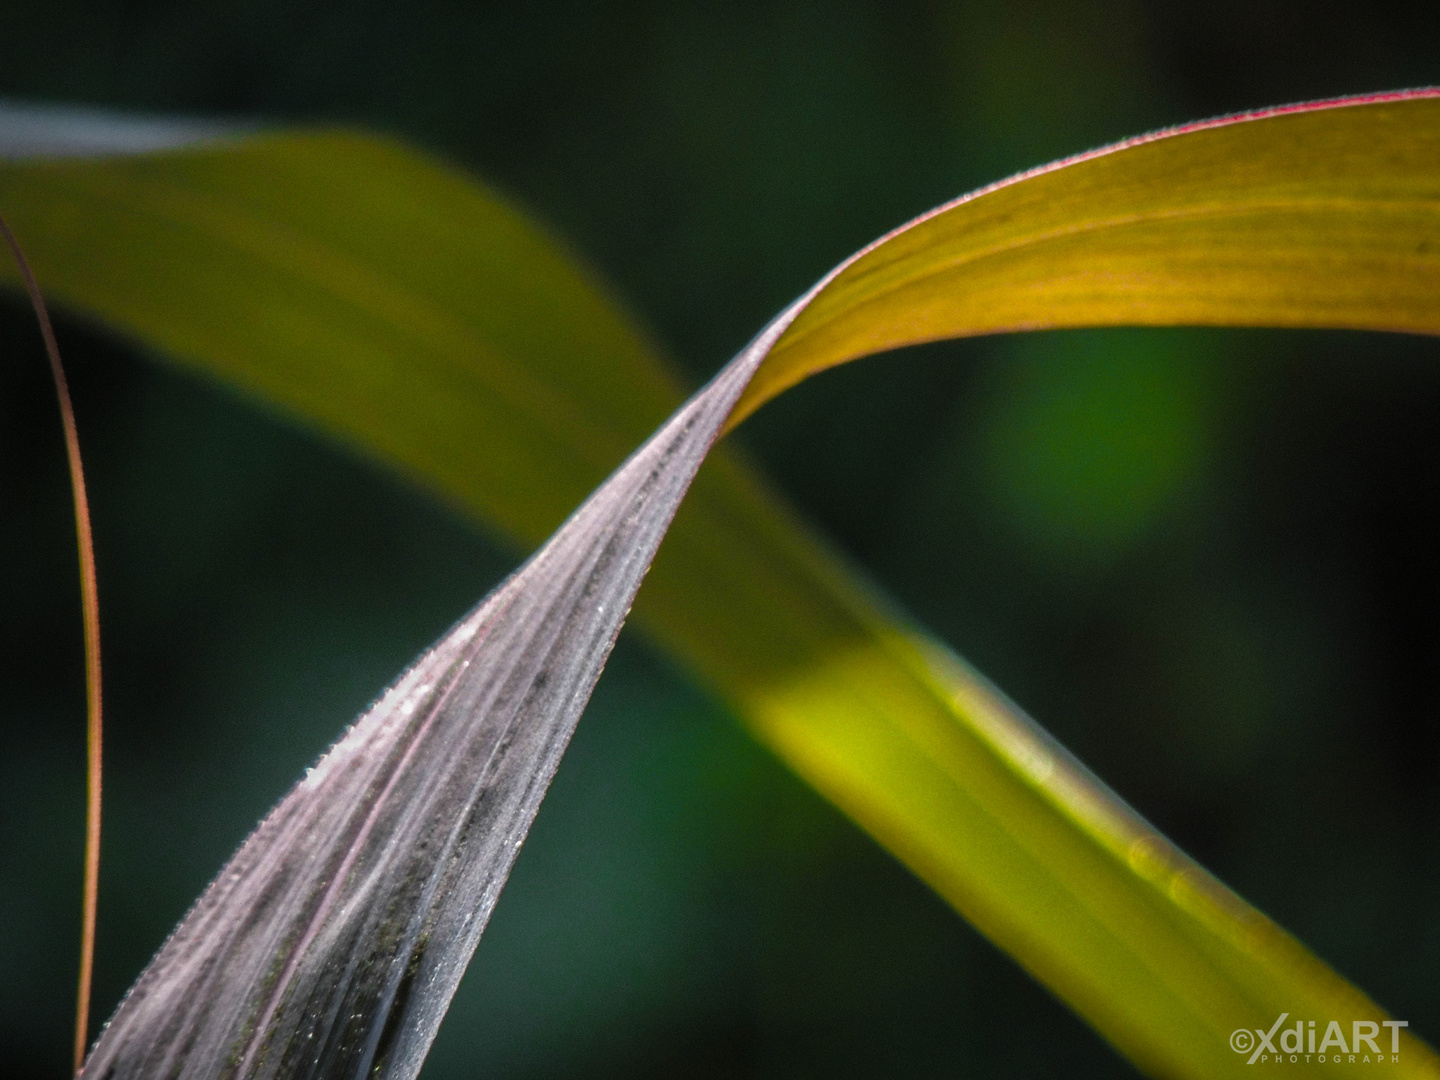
(1322, 215)
(449, 337)
(331, 943)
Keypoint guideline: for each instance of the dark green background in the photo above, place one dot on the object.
(1209, 561)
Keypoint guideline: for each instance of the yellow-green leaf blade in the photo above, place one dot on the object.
(1302, 217)
(292, 266)
(345, 278)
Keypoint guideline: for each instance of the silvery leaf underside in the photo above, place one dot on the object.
(34, 130)
(331, 943)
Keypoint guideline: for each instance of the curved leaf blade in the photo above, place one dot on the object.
(921, 752)
(331, 943)
(1324, 215)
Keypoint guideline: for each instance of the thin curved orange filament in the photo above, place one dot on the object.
(90, 603)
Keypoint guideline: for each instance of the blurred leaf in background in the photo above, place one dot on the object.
(1086, 456)
(1291, 547)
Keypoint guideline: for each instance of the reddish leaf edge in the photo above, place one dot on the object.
(748, 405)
